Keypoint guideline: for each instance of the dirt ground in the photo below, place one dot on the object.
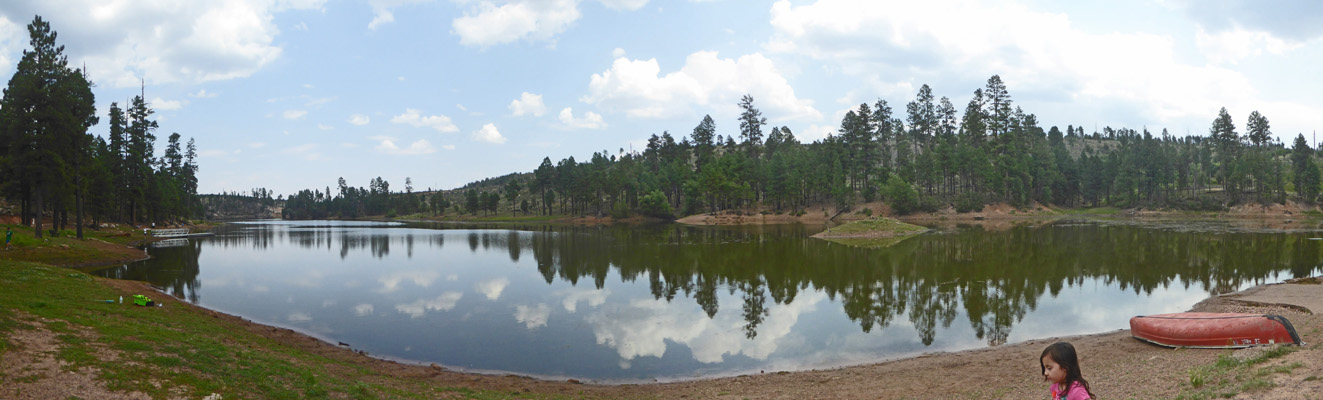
(1116, 365)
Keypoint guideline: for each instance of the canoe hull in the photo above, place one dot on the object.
(1213, 330)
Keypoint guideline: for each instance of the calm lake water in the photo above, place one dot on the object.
(666, 302)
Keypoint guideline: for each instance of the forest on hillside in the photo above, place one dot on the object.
(51, 165)
(925, 157)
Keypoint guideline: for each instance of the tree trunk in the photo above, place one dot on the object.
(36, 203)
(78, 200)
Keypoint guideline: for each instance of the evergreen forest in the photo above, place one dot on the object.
(922, 158)
(51, 165)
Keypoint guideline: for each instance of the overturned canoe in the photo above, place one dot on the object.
(1213, 330)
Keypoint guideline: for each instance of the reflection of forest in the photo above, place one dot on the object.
(176, 270)
(994, 277)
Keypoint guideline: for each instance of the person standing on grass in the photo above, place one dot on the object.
(9, 236)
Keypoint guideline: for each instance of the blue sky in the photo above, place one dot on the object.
(292, 94)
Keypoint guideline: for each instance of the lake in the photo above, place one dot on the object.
(631, 303)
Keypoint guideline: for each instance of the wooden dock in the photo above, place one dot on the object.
(175, 233)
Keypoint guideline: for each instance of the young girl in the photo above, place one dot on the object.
(1062, 368)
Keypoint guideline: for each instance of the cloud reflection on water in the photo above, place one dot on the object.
(642, 327)
(492, 288)
(533, 317)
(445, 302)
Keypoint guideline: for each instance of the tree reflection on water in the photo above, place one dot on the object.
(993, 277)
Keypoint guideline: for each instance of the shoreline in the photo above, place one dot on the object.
(985, 361)
(1114, 363)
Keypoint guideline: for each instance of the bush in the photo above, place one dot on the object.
(620, 210)
(868, 212)
(902, 197)
(656, 204)
(870, 192)
(929, 204)
(969, 202)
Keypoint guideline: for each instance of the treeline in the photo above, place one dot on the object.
(352, 202)
(925, 157)
(52, 165)
(929, 157)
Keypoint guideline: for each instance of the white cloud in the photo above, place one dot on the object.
(448, 147)
(637, 88)
(492, 288)
(189, 42)
(202, 94)
(445, 302)
(359, 119)
(301, 27)
(294, 114)
(299, 317)
(319, 101)
(12, 40)
(440, 123)
(383, 11)
(307, 151)
(363, 309)
(617, 53)
(382, 17)
(325, 127)
(488, 134)
(257, 145)
(533, 317)
(166, 105)
(624, 5)
(1231, 46)
(420, 146)
(874, 41)
(528, 104)
(590, 120)
(486, 24)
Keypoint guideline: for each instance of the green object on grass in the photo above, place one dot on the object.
(141, 300)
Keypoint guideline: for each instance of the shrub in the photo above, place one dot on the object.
(929, 204)
(868, 212)
(902, 197)
(656, 204)
(620, 210)
(969, 202)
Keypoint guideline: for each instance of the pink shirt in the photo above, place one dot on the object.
(1076, 392)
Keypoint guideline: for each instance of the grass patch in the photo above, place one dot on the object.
(871, 233)
(1090, 211)
(64, 248)
(874, 225)
(179, 351)
(1228, 376)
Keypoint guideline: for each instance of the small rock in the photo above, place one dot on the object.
(436, 367)
(574, 381)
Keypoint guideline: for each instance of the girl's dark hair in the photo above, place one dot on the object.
(1064, 355)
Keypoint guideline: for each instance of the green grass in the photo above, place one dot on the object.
(876, 225)
(1090, 211)
(871, 233)
(174, 351)
(1228, 377)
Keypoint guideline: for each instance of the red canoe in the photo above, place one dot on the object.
(1213, 330)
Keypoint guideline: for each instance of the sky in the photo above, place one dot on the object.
(294, 94)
